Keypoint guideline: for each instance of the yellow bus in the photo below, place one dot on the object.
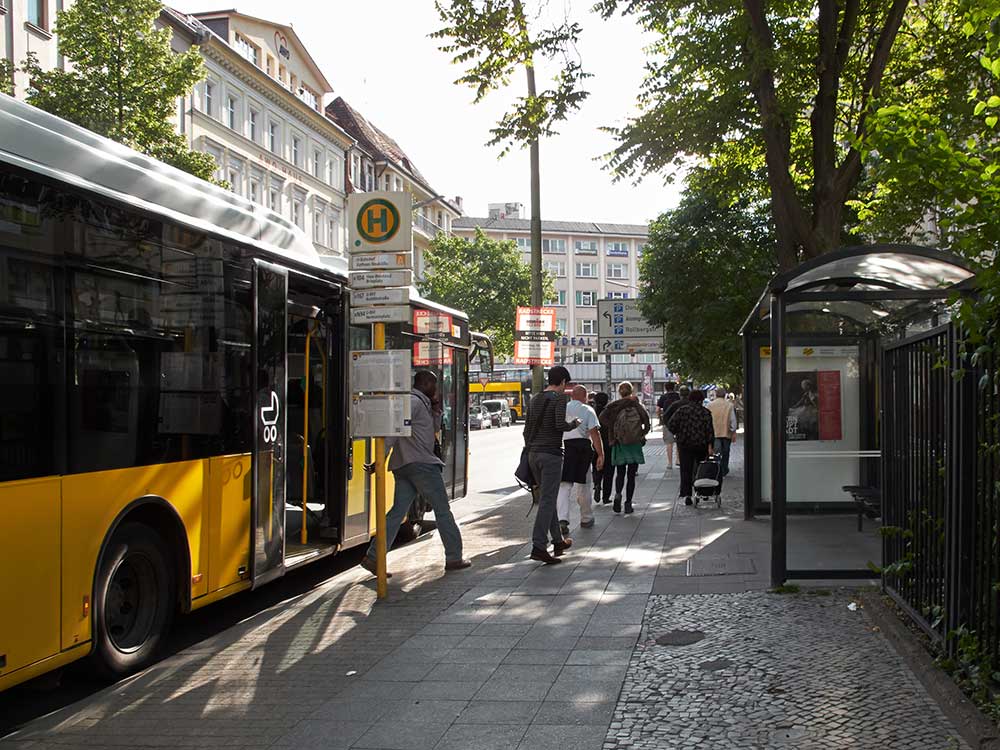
(174, 407)
(510, 390)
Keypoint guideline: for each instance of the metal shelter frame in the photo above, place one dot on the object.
(870, 290)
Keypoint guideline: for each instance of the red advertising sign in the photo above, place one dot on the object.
(535, 353)
(536, 319)
(431, 321)
(427, 353)
(828, 385)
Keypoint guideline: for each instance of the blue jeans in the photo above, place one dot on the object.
(424, 480)
(547, 469)
(722, 446)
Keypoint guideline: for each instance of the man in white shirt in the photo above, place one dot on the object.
(579, 446)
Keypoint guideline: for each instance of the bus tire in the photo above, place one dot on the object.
(135, 594)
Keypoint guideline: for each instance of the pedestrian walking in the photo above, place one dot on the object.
(582, 449)
(417, 470)
(628, 423)
(723, 412)
(691, 423)
(543, 437)
(670, 396)
(605, 476)
(684, 394)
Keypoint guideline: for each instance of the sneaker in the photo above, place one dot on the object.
(564, 527)
(368, 564)
(628, 507)
(559, 548)
(542, 555)
(587, 524)
(688, 501)
(457, 564)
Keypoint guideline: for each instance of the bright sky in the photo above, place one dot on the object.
(377, 55)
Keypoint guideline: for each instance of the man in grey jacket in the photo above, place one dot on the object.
(417, 471)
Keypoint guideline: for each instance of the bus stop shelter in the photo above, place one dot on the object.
(816, 348)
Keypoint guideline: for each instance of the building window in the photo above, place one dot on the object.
(336, 169)
(554, 246)
(586, 327)
(524, 244)
(586, 299)
(562, 326)
(308, 97)
(617, 270)
(209, 98)
(388, 183)
(555, 268)
(216, 153)
(317, 163)
(298, 213)
(589, 355)
(640, 248)
(270, 66)
(36, 13)
(585, 247)
(369, 177)
(558, 299)
(253, 117)
(274, 196)
(247, 49)
(617, 295)
(333, 229)
(235, 175)
(296, 150)
(254, 189)
(283, 76)
(231, 112)
(272, 137)
(318, 227)
(355, 171)
(586, 270)
(618, 249)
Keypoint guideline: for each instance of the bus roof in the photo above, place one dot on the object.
(48, 145)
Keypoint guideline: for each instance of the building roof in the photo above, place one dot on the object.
(207, 15)
(373, 140)
(560, 227)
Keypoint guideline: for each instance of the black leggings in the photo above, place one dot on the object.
(624, 470)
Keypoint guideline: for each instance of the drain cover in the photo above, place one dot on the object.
(680, 637)
(715, 665)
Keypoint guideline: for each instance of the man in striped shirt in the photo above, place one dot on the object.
(543, 436)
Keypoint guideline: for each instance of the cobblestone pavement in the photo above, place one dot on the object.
(514, 655)
(772, 671)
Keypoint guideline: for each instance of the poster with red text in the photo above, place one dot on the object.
(830, 422)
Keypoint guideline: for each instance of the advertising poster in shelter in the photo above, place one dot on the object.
(814, 405)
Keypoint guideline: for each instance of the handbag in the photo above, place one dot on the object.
(523, 473)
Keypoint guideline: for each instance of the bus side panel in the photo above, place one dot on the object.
(29, 559)
(229, 511)
(91, 502)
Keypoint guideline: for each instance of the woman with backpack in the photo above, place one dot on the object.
(695, 433)
(627, 423)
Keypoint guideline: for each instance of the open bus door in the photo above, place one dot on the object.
(267, 509)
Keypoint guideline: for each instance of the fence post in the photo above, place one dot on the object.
(960, 582)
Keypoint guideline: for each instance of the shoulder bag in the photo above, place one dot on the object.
(523, 473)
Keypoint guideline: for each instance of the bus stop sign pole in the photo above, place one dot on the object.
(382, 587)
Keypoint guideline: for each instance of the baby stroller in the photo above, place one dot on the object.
(708, 480)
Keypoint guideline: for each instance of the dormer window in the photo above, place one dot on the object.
(308, 97)
(247, 49)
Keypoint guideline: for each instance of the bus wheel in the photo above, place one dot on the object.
(134, 600)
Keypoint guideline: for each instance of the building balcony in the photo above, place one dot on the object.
(425, 226)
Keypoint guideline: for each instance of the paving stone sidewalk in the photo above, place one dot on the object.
(512, 654)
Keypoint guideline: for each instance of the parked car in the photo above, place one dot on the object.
(499, 412)
(479, 418)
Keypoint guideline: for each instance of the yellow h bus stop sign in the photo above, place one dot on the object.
(380, 222)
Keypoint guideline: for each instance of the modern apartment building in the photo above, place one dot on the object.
(378, 162)
(259, 112)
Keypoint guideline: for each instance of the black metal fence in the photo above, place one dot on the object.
(941, 505)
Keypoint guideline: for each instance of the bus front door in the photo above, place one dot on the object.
(267, 510)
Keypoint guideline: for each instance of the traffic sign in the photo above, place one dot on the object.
(380, 314)
(380, 221)
(431, 353)
(380, 261)
(534, 353)
(380, 279)
(630, 346)
(484, 380)
(394, 296)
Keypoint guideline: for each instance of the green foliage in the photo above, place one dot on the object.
(700, 276)
(482, 276)
(494, 40)
(124, 81)
(6, 77)
(788, 84)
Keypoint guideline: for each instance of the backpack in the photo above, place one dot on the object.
(628, 427)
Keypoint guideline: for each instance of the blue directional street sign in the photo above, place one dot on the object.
(621, 327)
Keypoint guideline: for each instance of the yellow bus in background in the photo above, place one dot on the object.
(509, 390)
(174, 421)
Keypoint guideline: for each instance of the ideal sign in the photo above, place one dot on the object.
(380, 222)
